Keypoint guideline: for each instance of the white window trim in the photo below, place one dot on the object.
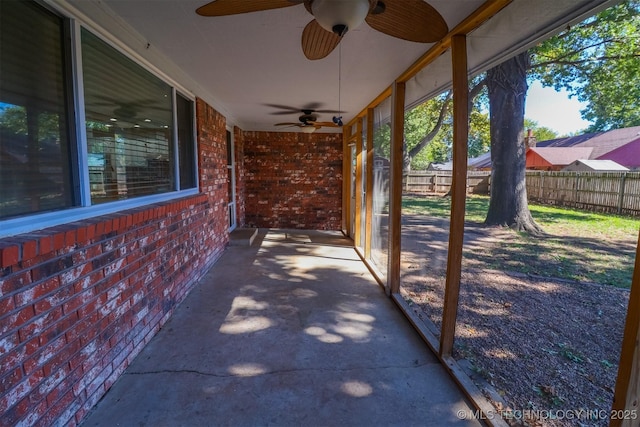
(38, 221)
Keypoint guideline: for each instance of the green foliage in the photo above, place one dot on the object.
(541, 133)
(479, 133)
(381, 140)
(14, 120)
(598, 61)
(422, 120)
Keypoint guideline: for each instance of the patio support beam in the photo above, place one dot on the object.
(458, 192)
(395, 187)
(357, 233)
(346, 181)
(369, 185)
(626, 398)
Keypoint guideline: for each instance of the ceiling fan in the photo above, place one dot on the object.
(412, 20)
(308, 121)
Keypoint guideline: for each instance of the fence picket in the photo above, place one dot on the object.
(616, 192)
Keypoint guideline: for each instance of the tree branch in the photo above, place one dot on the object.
(429, 137)
(578, 62)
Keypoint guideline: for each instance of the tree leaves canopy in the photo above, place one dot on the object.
(598, 61)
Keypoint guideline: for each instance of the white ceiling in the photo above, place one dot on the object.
(240, 63)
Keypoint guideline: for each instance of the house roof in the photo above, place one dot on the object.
(561, 156)
(601, 142)
(628, 155)
(608, 141)
(567, 141)
(601, 165)
(481, 162)
(247, 66)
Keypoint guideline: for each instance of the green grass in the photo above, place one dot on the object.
(578, 245)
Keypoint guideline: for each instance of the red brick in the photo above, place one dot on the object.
(28, 295)
(29, 249)
(38, 324)
(81, 235)
(45, 244)
(58, 241)
(9, 255)
(90, 231)
(100, 229)
(15, 320)
(42, 356)
(70, 238)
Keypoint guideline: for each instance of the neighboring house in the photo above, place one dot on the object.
(480, 163)
(556, 158)
(446, 166)
(628, 155)
(619, 145)
(595, 166)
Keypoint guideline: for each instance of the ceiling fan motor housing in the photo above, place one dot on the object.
(307, 117)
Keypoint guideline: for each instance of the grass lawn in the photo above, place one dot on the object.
(578, 245)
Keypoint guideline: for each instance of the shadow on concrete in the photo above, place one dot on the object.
(293, 330)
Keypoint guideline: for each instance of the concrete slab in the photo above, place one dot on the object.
(292, 331)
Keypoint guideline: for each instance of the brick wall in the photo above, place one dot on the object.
(293, 180)
(78, 302)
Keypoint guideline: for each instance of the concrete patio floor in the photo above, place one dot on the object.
(292, 330)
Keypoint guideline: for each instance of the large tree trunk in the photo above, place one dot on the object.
(507, 85)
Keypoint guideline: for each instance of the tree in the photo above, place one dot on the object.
(541, 133)
(581, 59)
(507, 85)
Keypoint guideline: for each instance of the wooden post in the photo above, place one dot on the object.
(627, 393)
(458, 192)
(346, 181)
(395, 187)
(623, 180)
(369, 185)
(357, 233)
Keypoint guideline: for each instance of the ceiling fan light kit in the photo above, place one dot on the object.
(340, 16)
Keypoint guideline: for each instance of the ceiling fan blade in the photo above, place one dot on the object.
(412, 20)
(318, 42)
(287, 124)
(328, 111)
(235, 7)
(325, 124)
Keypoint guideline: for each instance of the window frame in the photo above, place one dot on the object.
(73, 23)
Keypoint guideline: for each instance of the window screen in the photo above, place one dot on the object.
(35, 173)
(129, 125)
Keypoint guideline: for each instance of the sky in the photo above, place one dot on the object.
(554, 110)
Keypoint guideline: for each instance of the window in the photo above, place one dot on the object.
(35, 137)
(138, 134)
(129, 123)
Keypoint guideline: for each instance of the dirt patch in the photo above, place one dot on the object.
(544, 344)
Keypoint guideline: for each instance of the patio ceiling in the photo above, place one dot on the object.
(240, 63)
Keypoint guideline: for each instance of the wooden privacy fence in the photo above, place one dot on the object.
(616, 192)
(430, 182)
